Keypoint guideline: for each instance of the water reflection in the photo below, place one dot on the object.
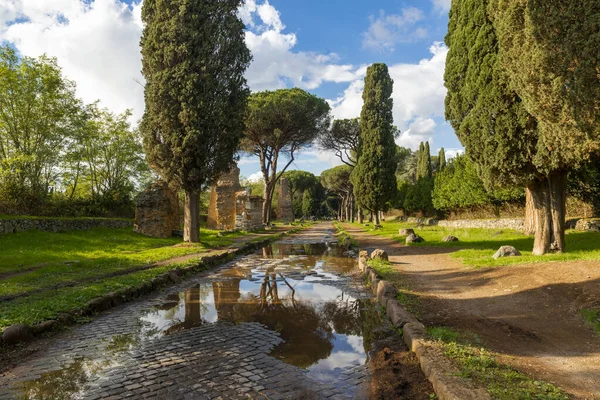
(324, 329)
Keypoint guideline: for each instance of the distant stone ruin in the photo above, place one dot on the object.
(285, 208)
(157, 211)
(233, 208)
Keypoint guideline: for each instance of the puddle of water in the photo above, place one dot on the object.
(325, 330)
(284, 287)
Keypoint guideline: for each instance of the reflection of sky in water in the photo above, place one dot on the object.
(207, 302)
(347, 351)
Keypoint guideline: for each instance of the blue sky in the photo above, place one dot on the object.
(321, 46)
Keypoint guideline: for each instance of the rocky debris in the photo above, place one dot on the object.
(174, 276)
(157, 211)
(406, 232)
(99, 304)
(506, 251)
(414, 238)
(45, 326)
(588, 225)
(16, 225)
(398, 315)
(17, 333)
(379, 254)
(450, 238)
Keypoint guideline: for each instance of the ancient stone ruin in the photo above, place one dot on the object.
(157, 211)
(233, 208)
(221, 209)
(285, 209)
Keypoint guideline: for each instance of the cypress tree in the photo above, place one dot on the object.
(442, 159)
(549, 50)
(374, 176)
(194, 57)
(420, 166)
(427, 172)
(487, 115)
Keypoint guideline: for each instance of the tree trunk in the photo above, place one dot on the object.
(529, 227)
(266, 212)
(191, 217)
(543, 217)
(558, 187)
(339, 216)
(361, 215)
(351, 207)
(376, 212)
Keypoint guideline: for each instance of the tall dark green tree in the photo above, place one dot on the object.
(374, 176)
(549, 50)
(194, 56)
(487, 115)
(441, 160)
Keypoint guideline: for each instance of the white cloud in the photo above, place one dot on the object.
(451, 153)
(418, 95)
(386, 31)
(420, 130)
(96, 44)
(443, 6)
(256, 177)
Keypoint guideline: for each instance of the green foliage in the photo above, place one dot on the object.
(441, 160)
(487, 116)
(300, 182)
(282, 122)
(374, 176)
(57, 155)
(459, 187)
(584, 183)
(549, 51)
(418, 197)
(310, 205)
(424, 169)
(343, 138)
(405, 162)
(194, 57)
(337, 179)
(592, 317)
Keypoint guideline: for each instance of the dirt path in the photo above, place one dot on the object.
(528, 314)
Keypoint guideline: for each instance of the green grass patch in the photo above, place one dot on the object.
(36, 266)
(476, 246)
(344, 239)
(17, 217)
(592, 317)
(479, 365)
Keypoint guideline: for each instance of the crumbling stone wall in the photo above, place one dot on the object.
(285, 209)
(248, 211)
(157, 211)
(221, 209)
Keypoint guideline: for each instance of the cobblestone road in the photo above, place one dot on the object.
(121, 355)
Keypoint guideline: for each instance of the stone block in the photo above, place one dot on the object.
(17, 333)
(385, 291)
(221, 209)
(285, 208)
(157, 211)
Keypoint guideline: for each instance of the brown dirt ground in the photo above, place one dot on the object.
(528, 314)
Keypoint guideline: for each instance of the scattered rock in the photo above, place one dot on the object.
(406, 232)
(379, 254)
(116, 299)
(450, 238)
(17, 333)
(414, 238)
(506, 251)
(71, 262)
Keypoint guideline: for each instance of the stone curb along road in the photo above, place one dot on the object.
(435, 366)
(19, 333)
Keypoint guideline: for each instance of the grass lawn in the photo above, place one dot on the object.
(476, 246)
(35, 267)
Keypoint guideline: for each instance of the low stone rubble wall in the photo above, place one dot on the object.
(517, 224)
(59, 225)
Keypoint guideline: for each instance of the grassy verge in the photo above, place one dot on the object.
(52, 273)
(11, 217)
(476, 246)
(502, 381)
(592, 317)
(344, 239)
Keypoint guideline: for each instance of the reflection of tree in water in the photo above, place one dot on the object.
(344, 315)
(62, 384)
(194, 308)
(307, 336)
